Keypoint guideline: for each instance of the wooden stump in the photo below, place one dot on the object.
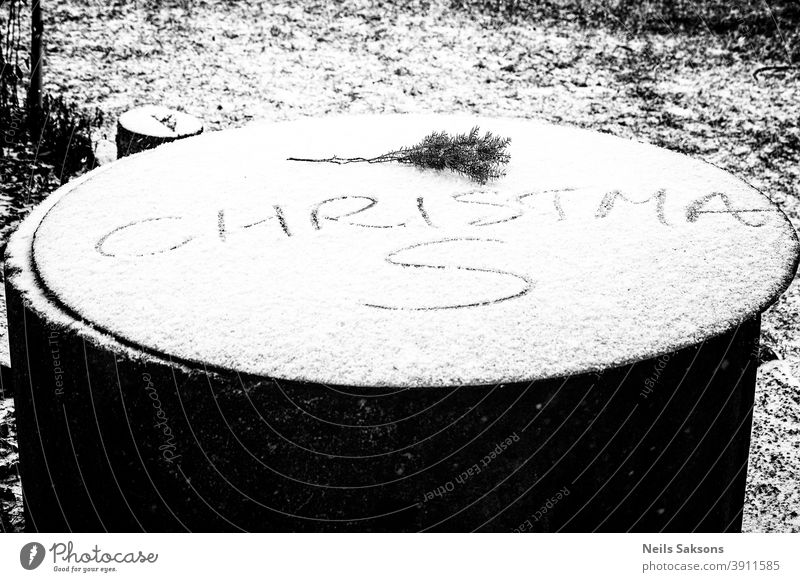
(212, 337)
(150, 126)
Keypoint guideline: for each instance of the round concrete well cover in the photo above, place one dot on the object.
(592, 251)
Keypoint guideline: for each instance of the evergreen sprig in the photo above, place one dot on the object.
(480, 158)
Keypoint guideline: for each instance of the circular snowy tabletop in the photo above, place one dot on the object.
(593, 251)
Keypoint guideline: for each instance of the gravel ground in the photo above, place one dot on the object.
(696, 93)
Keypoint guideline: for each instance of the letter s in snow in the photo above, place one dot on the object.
(513, 285)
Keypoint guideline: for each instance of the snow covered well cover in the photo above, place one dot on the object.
(592, 251)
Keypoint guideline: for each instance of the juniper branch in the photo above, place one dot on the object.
(477, 157)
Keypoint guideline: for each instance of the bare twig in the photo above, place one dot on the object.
(772, 68)
(9, 443)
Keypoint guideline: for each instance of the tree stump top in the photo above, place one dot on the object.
(215, 251)
(159, 122)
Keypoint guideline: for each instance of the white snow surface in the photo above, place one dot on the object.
(180, 251)
(147, 120)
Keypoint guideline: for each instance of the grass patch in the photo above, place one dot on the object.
(770, 28)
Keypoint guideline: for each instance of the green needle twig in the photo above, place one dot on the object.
(480, 158)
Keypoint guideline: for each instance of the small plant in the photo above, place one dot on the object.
(66, 138)
(479, 158)
(11, 74)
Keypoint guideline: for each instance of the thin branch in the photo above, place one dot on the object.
(9, 443)
(772, 68)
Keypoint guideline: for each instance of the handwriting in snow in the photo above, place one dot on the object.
(355, 210)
